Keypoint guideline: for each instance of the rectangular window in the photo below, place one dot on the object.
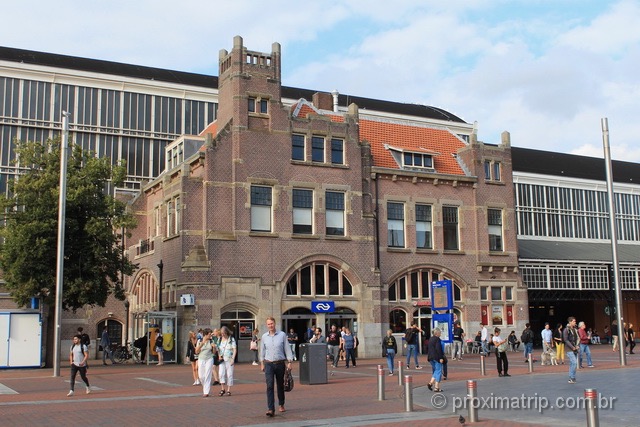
(337, 151)
(156, 222)
(508, 293)
(302, 202)
(496, 171)
(423, 227)
(317, 149)
(450, 228)
(417, 160)
(491, 170)
(170, 216)
(260, 208)
(176, 217)
(264, 106)
(494, 217)
(334, 213)
(297, 147)
(496, 293)
(483, 293)
(251, 105)
(395, 225)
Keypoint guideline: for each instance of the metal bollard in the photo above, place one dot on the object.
(472, 399)
(380, 383)
(483, 369)
(400, 372)
(530, 363)
(591, 400)
(408, 393)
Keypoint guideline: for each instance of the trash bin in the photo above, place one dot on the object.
(313, 363)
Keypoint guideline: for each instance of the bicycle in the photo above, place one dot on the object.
(127, 352)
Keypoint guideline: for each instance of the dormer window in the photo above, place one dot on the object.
(417, 159)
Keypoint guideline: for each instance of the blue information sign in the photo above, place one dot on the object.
(442, 295)
(323, 306)
(445, 323)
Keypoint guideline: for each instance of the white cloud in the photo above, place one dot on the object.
(545, 71)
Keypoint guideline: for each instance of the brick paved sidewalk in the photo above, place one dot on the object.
(163, 395)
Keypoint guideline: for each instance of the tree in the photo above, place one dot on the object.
(93, 257)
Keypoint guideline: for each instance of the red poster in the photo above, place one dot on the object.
(509, 315)
(484, 314)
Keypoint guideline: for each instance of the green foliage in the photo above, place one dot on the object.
(93, 256)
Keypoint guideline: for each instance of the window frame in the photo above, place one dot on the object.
(495, 229)
(337, 149)
(334, 210)
(451, 230)
(317, 150)
(396, 224)
(428, 226)
(302, 208)
(298, 151)
(261, 209)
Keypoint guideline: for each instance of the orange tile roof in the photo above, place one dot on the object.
(212, 128)
(412, 138)
(439, 141)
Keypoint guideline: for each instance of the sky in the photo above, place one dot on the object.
(546, 71)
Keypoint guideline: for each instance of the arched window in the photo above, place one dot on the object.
(398, 321)
(318, 279)
(415, 285)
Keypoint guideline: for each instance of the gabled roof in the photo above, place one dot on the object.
(383, 135)
(411, 138)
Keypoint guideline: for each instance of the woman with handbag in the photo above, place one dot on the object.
(192, 357)
(205, 352)
(215, 339)
(227, 350)
(253, 346)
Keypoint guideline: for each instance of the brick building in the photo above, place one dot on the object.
(283, 205)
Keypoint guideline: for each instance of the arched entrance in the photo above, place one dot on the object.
(242, 323)
(114, 329)
(299, 319)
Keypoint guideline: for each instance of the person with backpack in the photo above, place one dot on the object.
(411, 338)
(85, 341)
(527, 341)
(78, 356)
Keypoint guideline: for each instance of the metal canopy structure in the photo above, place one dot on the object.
(147, 324)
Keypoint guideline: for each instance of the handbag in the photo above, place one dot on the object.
(253, 345)
(288, 380)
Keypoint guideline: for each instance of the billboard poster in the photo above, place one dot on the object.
(442, 295)
(445, 323)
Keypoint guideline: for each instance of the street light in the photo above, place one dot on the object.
(62, 198)
(126, 314)
(160, 267)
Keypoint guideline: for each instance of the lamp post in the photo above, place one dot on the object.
(62, 198)
(126, 315)
(160, 268)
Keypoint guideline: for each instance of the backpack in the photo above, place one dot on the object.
(85, 340)
(408, 336)
(159, 340)
(526, 336)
